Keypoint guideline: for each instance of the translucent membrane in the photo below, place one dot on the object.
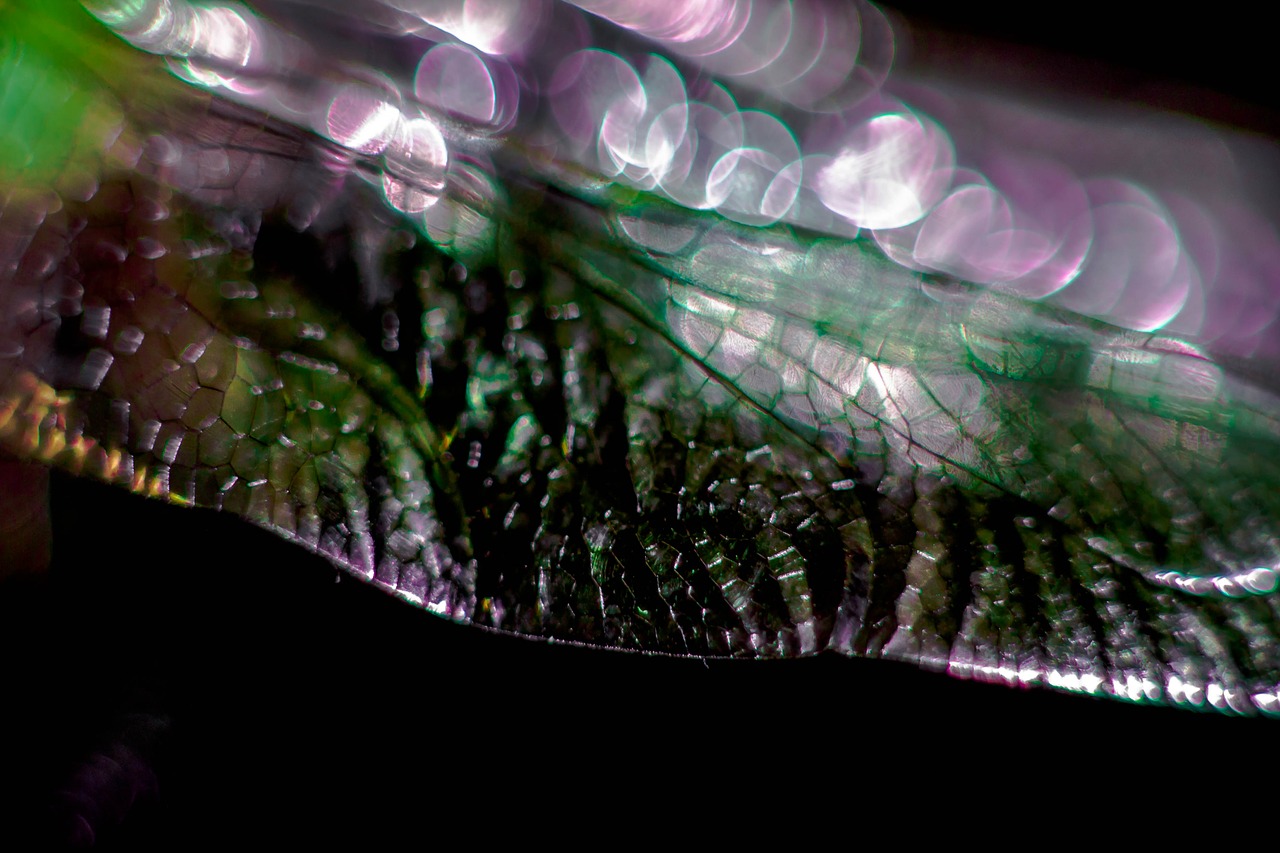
(731, 342)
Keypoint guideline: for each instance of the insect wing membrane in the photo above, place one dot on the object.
(523, 396)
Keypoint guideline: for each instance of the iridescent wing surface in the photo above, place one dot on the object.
(560, 337)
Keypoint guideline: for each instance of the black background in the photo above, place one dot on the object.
(296, 703)
(1213, 60)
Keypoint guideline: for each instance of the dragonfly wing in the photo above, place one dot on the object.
(717, 440)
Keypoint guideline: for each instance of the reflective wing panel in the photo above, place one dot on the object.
(473, 342)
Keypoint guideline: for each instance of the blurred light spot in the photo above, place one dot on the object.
(1136, 274)
(741, 181)
(496, 27)
(585, 87)
(361, 120)
(889, 173)
(459, 81)
(415, 166)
